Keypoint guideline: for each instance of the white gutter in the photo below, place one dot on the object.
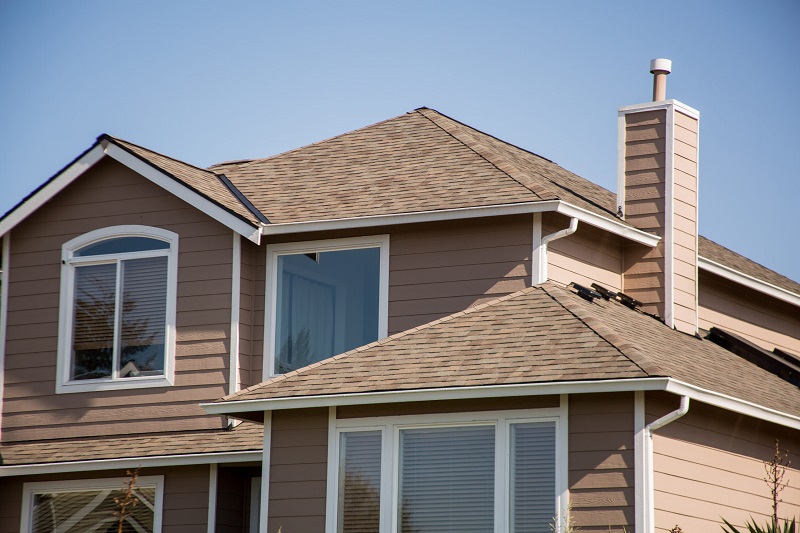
(748, 281)
(646, 493)
(613, 226)
(540, 253)
(130, 462)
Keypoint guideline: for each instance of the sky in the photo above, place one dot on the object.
(209, 81)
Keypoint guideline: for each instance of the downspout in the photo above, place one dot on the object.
(540, 248)
(648, 490)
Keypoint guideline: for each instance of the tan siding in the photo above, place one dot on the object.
(298, 470)
(247, 314)
(601, 470)
(110, 194)
(710, 464)
(439, 269)
(587, 256)
(762, 320)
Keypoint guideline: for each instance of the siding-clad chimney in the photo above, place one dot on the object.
(657, 192)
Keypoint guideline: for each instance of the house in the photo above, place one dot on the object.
(408, 327)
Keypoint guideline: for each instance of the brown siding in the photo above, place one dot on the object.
(111, 194)
(298, 470)
(601, 461)
(709, 465)
(185, 496)
(645, 148)
(233, 498)
(443, 268)
(587, 256)
(251, 309)
(763, 320)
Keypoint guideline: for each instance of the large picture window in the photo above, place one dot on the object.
(118, 309)
(476, 473)
(324, 298)
(84, 506)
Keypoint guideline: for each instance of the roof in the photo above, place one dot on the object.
(244, 437)
(419, 161)
(542, 334)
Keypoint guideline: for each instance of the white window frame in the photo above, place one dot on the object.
(64, 384)
(390, 458)
(29, 490)
(274, 251)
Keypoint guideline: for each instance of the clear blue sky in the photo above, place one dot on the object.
(207, 81)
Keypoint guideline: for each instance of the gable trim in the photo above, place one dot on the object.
(748, 281)
(106, 147)
(130, 462)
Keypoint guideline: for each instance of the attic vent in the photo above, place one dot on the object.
(780, 363)
(627, 301)
(605, 293)
(587, 294)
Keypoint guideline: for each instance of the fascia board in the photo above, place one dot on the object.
(735, 405)
(665, 104)
(748, 281)
(52, 187)
(559, 206)
(445, 393)
(131, 462)
(180, 190)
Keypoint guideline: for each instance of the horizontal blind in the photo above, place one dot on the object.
(360, 482)
(447, 479)
(144, 315)
(93, 323)
(533, 477)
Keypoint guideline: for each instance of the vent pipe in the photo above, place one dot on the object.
(660, 68)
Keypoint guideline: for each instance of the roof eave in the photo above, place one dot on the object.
(748, 281)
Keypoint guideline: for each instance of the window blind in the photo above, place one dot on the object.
(447, 479)
(93, 323)
(533, 477)
(143, 318)
(360, 482)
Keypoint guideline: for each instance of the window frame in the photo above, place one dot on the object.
(390, 428)
(274, 251)
(64, 383)
(29, 490)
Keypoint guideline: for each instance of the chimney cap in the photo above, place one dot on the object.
(660, 64)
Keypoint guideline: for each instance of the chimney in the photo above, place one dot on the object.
(657, 192)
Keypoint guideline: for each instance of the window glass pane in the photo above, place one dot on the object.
(327, 303)
(533, 477)
(447, 480)
(121, 245)
(143, 317)
(91, 511)
(93, 324)
(360, 482)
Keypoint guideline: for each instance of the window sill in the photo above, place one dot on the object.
(120, 384)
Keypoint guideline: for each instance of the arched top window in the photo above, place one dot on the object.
(118, 289)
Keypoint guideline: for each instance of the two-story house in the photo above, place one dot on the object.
(413, 326)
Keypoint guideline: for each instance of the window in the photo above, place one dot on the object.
(117, 309)
(324, 298)
(478, 472)
(88, 505)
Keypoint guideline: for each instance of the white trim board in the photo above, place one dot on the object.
(106, 147)
(672, 385)
(131, 462)
(748, 281)
(618, 228)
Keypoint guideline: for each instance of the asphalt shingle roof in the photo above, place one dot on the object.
(541, 334)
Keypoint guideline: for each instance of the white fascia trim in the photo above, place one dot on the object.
(665, 104)
(618, 228)
(446, 393)
(183, 192)
(131, 462)
(559, 206)
(62, 179)
(748, 281)
(730, 403)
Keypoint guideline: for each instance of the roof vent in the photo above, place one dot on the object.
(660, 68)
(587, 294)
(627, 301)
(779, 363)
(605, 293)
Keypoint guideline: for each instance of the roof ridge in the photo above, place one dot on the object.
(488, 153)
(608, 334)
(245, 162)
(379, 342)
